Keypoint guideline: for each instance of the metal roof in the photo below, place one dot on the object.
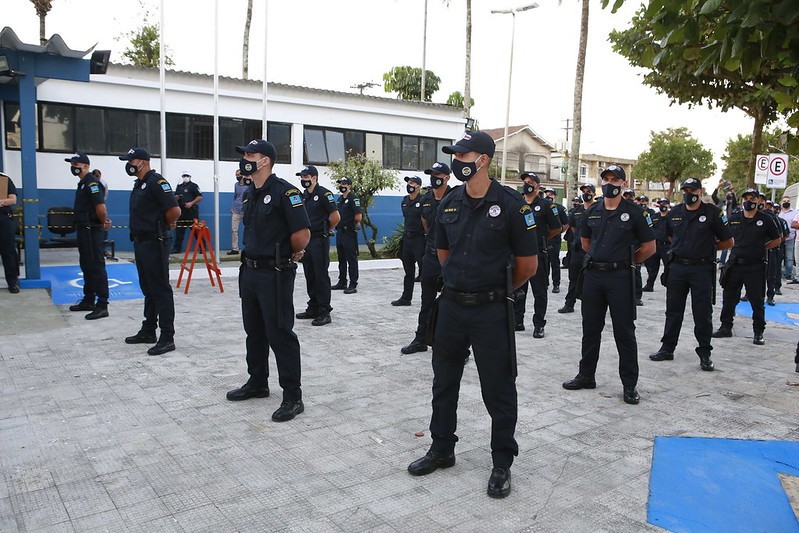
(55, 46)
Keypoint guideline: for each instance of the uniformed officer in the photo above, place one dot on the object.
(349, 207)
(320, 204)
(547, 226)
(413, 240)
(576, 252)
(774, 270)
(276, 232)
(629, 195)
(754, 234)
(482, 228)
(697, 230)
(652, 264)
(554, 243)
(611, 231)
(91, 219)
(153, 212)
(8, 230)
(431, 267)
(188, 195)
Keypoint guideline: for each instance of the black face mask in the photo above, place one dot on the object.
(786, 205)
(576, 204)
(690, 198)
(410, 188)
(528, 189)
(342, 189)
(610, 190)
(749, 205)
(131, 169)
(247, 181)
(75, 171)
(587, 197)
(464, 171)
(247, 167)
(305, 183)
(760, 207)
(663, 208)
(436, 182)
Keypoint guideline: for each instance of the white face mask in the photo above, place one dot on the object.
(186, 180)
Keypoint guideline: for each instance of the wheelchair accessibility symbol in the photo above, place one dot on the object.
(112, 282)
(67, 282)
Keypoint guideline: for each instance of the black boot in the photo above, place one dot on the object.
(142, 337)
(100, 311)
(83, 305)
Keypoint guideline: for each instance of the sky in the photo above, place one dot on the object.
(337, 44)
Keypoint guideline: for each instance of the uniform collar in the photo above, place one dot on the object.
(492, 194)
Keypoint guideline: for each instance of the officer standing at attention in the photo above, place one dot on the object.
(91, 219)
(431, 267)
(610, 233)
(554, 243)
(188, 195)
(323, 214)
(697, 230)
(482, 229)
(754, 234)
(276, 232)
(658, 218)
(412, 237)
(774, 269)
(349, 208)
(153, 212)
(576, 252)
(241, 186)
(8, 228)
(547, 226)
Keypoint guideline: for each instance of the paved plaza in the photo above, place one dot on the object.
(97, 436)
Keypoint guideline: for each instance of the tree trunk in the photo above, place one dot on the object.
(577, 114)
(245, 47)
(467, 89)
(757, 142)
(42, 39)
(370, 242)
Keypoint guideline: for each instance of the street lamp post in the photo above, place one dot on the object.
(511, 12)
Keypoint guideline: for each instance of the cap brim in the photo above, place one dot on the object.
(429, 171)
(243, 150)
(455, 149)
(126, 157)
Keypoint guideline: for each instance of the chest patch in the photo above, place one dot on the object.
(759, 222)
(625, 217)
(316, 198)
(346, 201)
(267, 198)
(417, 204)
(538, 208)
(143, 186)
(494, 210)
(702, 218)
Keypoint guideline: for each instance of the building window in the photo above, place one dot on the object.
(235, 132)
(12, 126)
(280, 135)
(323, 145)
(583, 171)
(189, 136)
(56, 128)
(392, 151)
(90, 130)
(403, 152)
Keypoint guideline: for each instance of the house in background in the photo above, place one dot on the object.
(592, 165)
(527, 152)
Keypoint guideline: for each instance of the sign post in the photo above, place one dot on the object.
(761, 169)
(777, 171)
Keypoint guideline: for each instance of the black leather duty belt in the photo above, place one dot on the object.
(743, 261)
(693, 262)
(600, 266)
(267, 263)
(470, 299)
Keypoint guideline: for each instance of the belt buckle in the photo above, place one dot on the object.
(468, 298)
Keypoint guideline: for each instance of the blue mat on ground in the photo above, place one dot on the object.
(67, 283)
(784, 313)
(711, 485)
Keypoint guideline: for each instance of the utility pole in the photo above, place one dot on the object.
(364, 85)
(565, 165)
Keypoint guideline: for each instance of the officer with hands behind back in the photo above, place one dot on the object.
(349, 207)
(276, 232)
(554, 243)
(153, 212)
(482, 229)
(188, 195)
(413, 239)
(576, 253)
(610, 233)
(697, 230)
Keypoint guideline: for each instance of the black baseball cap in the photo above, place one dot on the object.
(259, 146)
(761, 195)
(616, 170)
(79, 157)
(664, 201)
(628, 191)
(691, 183)
(415, 179)
(532, 175)
(345, 181)
(643, 198)
(589, 186)
(550, 189)
(135, 153)
(308, 170)
(752, 191)
(438, 168)
(474, 141)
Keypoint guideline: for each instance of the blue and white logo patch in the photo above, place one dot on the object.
(529, 219)
(94, 188)
(166, 187)
(723, 217)
(357, 202)
(295, 200)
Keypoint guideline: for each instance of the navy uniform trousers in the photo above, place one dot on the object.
(457, 328)
(539, 284)
(774, 282)
(576, 258)
(8, 249)
(753, 278)
(698, 279)
(259, 311)
(92, 263)
(603, 290)
(315, 264)
(347, 251)
(553, 248)
(152, 264)
(411, 254)
(431, 271)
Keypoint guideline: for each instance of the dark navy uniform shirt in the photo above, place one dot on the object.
(319, 204)
(694, 233)
(547, 218)
(614, 232)
(481, 235)
(348, 207)
(271, 214)
(563, 218)
(89, 194)
(575, 222)
(151, 197)
(659, 225)
(187, 192)
(751, 235)
(412, 213)
(429, 214)
(6, 209)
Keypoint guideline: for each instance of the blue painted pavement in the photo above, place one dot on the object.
(784, 313)
(66, 283)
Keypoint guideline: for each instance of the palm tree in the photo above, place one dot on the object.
(577, 112)
(245, 48)
(42, 8)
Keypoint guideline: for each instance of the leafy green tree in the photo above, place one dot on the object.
(368, 178)
(456, 100)
(736, 160)
(674, 155)
(144, 49)
(407, 83)
(731, 53)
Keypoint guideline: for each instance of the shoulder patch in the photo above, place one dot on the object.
(529, 220)
(723, 217)
(94, 188)
(166, 187)
(330, 197)
(357, 202)
(524, 209)
(295, 199)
